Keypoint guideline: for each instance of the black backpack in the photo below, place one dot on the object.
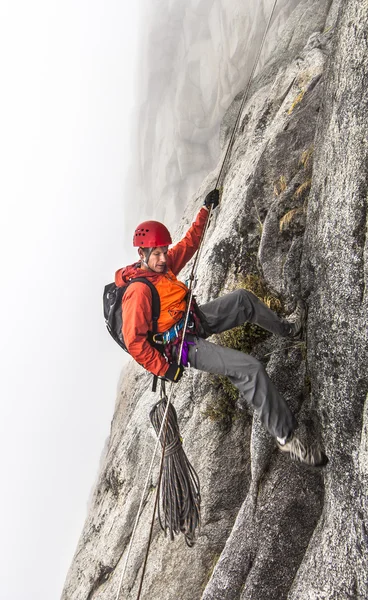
(112, 305)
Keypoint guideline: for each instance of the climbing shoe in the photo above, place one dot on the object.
(297, 320)
(308, 455)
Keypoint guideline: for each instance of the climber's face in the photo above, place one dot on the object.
(157, 259)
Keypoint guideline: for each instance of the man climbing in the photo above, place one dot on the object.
(161, 265)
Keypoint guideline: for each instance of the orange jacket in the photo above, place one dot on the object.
(137, 300)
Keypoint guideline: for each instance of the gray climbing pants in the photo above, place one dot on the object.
(244, 371)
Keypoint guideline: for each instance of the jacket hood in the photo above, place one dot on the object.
(122, 276)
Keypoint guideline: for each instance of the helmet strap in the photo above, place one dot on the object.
(146, 253)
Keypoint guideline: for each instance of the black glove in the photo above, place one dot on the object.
(212, 199)
(174, 372)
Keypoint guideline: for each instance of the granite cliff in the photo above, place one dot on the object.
(293, 219)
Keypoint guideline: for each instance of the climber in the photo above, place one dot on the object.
(158, 353)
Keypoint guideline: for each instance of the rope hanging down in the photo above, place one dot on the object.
(164, 413)
(179, 493)
(246, 92)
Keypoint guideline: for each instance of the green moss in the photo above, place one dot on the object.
(213, 564)
(307, 383)
(243, 338)
(222, 408)
(303, 349)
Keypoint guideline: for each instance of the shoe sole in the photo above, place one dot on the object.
(322, 463)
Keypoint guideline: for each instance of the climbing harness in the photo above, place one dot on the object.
(172, 339)
(163, 417)
(171, 334)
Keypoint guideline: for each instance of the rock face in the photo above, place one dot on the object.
(294, 210)
(196, 56)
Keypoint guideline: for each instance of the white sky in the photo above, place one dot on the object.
(66, 73)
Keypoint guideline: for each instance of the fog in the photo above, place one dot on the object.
(196, 56)
(67, 94)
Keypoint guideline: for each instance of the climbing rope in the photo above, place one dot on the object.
(159, 437)
(179, 508)
(227, 154)
(246, 92)
(178, 488)
(178, 480)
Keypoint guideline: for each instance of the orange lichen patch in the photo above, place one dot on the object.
(272, 303)
(280, 185)
(302, 188)
(296, 101)
(289, 217)
(306, 157)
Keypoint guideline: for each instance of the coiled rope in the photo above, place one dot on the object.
(179, 493)
(171, 481)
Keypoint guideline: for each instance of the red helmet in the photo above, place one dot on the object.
(151, 234)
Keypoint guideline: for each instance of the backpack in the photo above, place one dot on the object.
(112, 305)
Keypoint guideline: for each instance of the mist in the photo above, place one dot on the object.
(195, 57)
